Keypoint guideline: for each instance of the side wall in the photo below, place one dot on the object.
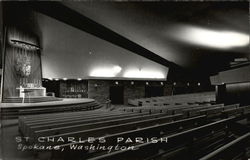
(99, 89)
(1, 49)
(1, 34)
(233, 86)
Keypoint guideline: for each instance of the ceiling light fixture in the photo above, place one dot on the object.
(212, 38)
(143, 74)
(106, 72)
(24, 45)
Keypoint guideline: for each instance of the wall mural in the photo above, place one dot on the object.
(23, 64)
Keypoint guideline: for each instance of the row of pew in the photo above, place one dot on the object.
(190, 110)
(194, 98)
(192, 132)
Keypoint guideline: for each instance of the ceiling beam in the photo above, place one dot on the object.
(71, 17)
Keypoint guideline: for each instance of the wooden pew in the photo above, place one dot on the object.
(151, 131)
(146, 150)
(46, 122)
(246, 109)
(81, 107)
(187, 110)
(96, 132)
(172, 109)
(232, 112)
(101, 133)
(62, 127)
(181, 99)
(58, 116)
(91, 125)
(214, 110)
(66, 117)
(73, 120)
(64, 108)
(29, 128)
(224, 152)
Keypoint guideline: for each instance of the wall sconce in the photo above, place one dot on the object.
(132, 83)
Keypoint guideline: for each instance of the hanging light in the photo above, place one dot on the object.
(24, 45)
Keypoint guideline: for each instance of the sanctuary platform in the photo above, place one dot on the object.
(13, 110)
(32, 99)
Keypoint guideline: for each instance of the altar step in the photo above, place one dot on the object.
(30, 100)
(15, 112)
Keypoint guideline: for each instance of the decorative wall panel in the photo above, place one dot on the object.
(22, 66)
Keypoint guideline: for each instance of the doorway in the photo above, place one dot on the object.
(116, 94)
(154, 91)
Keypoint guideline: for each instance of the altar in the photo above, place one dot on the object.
(32, 92)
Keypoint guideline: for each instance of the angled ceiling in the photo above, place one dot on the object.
(170, 33)
(158, 27)
(71, 53)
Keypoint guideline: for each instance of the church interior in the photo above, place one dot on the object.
(124, 80)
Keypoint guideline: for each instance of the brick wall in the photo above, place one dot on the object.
(99, 89)
(132, 91)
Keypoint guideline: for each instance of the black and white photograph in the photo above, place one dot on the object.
(125, 80)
